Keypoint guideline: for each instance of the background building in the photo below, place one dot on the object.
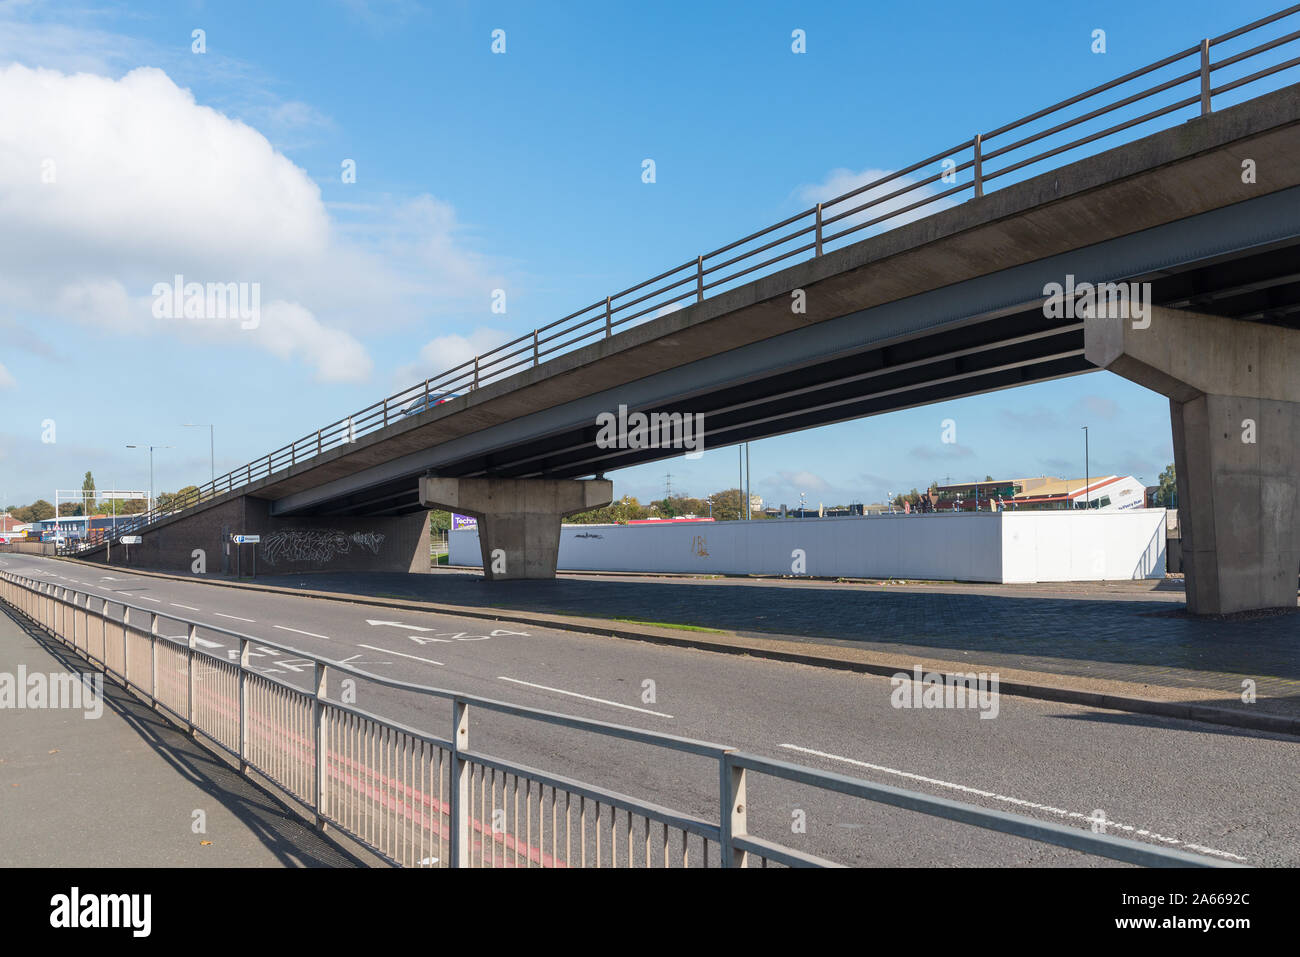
(1105, 493)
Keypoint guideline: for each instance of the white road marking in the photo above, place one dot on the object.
(147, 598)
(309, 634)
(396, 624)
(205, 643)
(233, 617)
(1060, 812)
(400, 655)
(179, 605)
(353, 661)
(658, 714)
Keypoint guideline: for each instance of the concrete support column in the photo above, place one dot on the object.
(518, 519)
(1234, 403)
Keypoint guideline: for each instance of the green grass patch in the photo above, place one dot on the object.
(670, 624)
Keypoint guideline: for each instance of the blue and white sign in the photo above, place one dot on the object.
(247, 539)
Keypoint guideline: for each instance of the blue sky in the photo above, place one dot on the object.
(478, 171)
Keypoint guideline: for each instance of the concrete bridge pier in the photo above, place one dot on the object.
(518, 519)
(1234, 402)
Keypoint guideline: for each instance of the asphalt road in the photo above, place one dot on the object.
(1180, 784)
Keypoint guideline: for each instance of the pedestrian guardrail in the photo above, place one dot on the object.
(997, 157)
(418, 799)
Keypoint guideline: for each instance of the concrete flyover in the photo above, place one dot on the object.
(942, 307)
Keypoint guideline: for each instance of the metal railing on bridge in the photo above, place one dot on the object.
(419, 799)
(999, 156)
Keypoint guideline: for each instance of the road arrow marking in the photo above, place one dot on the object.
(396, 624)
(428, 661)
(353, 660)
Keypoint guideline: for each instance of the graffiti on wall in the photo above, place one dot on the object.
(315, 545)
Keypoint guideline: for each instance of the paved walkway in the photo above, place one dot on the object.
(1135, 632)
(121, 789)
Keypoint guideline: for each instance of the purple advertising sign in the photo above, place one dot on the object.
(462, 521)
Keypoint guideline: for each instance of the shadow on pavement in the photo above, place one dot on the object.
(293, 842)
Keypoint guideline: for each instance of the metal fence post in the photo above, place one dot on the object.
(1205, 77)
(153, 636)
(126, 645)
(321, 674)
(153, 661)
(699, 278)
(819, 229)
(243, 705)
(103, 633)
(476, 372)
(193, 643)
(609, 325)
(460, 812)
(536, 354)
(731, 819)
(979, 166)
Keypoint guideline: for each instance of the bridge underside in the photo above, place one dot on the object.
(983, 355)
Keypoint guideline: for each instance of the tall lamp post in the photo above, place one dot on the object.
(748, 516)
(1087, 473)
(212, 445)
(151, 448)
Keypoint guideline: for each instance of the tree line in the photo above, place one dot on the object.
(41, 509)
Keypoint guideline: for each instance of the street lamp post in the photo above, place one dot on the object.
(212, 445)
(1087, 472)
(151, 448)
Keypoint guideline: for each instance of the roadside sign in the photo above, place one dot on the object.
(247, 539)
(462, 521)
(132, 539)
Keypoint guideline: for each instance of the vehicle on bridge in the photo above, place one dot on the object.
(426, 402)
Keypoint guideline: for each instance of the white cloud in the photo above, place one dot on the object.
(447, 352)
(841, 181)
(145, 184)
(7, 381)
(287, 329)
(804, 481)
